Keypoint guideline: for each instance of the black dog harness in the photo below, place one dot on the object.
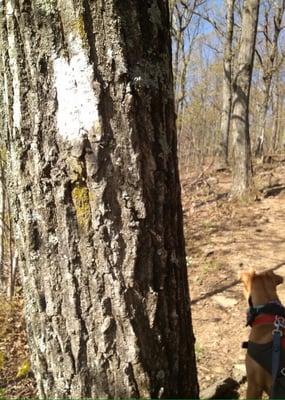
(271, 356)
(271, 308)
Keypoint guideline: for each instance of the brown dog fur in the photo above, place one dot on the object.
(262, 289)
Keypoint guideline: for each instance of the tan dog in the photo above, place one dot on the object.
(259, 289)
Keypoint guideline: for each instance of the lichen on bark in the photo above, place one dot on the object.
(80, 198)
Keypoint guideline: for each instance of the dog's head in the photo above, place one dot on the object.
(261, 287)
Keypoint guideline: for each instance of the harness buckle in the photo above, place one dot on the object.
(277, 330)
(279, 321)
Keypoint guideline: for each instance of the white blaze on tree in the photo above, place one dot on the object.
(77, 104)
(77, 109)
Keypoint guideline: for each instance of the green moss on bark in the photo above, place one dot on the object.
(80, 198)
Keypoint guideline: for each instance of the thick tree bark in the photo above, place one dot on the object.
(227, 85)
(99, 223)
(242, 171)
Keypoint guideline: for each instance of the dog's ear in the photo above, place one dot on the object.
(276, 278)
(246, 278)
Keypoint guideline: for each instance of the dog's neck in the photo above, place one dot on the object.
(256, 303)
(262, 295)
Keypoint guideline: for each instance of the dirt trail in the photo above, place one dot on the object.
(223, 238)
(263, 246)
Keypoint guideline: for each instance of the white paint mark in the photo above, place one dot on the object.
(77, 104)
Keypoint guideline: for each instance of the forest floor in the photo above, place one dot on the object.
(222, 238)
(16, 380)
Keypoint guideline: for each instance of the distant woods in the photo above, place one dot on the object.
(229, 74)
(8, 252)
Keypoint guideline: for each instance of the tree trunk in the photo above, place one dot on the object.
(277, 114)
(269, 64)
(263, 116)
(242, 171)
(99, 222)
(227, 86)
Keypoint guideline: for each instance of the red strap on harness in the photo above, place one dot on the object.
(267, 319)
(264, 319)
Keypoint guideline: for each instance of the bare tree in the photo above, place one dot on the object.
(277, 112)
(91, 130)
(270, 60)
(242, 170)
(185, 26)
(227, 84)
